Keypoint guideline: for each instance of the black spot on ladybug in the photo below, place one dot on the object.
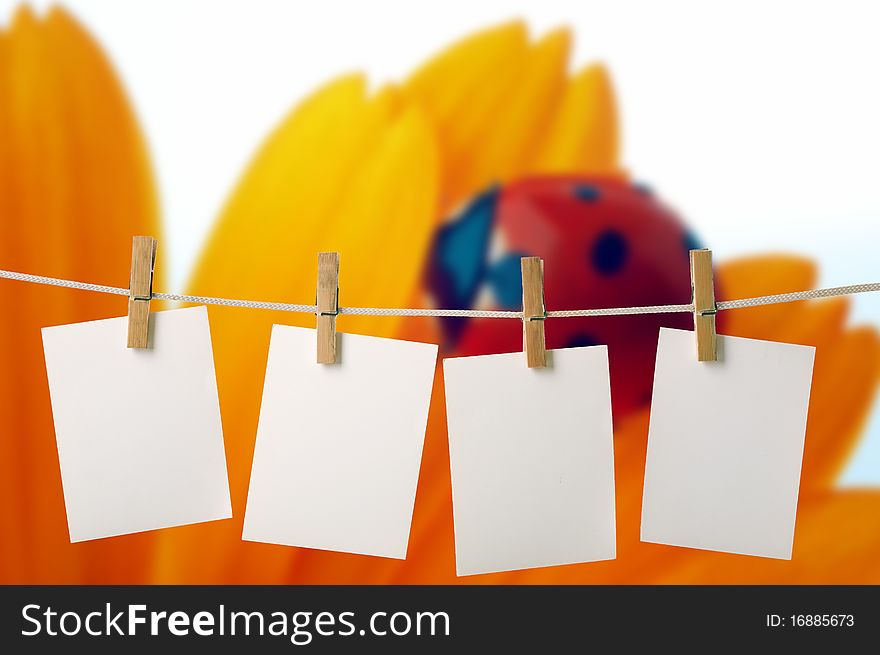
(581, 340)
(609, 252)
(586, 192)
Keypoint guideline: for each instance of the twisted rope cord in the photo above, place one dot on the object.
(465, 313)
(812, 294)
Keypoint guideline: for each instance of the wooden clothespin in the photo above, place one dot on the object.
(534, 312)
(327, 305)
(140, 290)
(703, 286)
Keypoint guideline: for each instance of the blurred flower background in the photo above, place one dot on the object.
(431, 188)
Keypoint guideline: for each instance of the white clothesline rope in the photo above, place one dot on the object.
(467, 313)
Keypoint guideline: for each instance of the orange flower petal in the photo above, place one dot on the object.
(835, 543)
(761, 275)
(76, 186)
(844, 386)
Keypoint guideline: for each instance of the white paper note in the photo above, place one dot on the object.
(138, 430)
(725, 445)
(338, 447)
(532, 460)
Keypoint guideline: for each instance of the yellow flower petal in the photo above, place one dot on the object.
(583, 136)
(294, 183)
(491, 100)
(344, 172)
(519, 112)
(450, 89)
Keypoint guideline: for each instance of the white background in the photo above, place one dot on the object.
(760, 121)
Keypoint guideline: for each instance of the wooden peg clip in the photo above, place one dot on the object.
(140, 290)
(328, 305)
(703, 286)
(534, 312)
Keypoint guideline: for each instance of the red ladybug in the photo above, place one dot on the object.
(605, 243)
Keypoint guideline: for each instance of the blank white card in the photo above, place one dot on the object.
(138, 430)
(532, 461)
(725, 445)
(338, 448)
